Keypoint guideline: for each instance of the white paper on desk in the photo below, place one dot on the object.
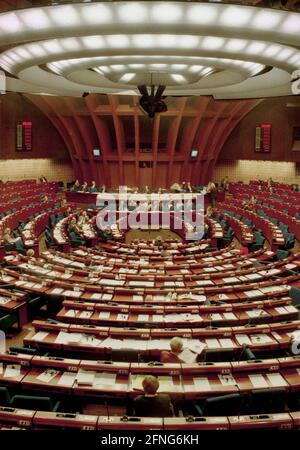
(243, 278)
(204, 282)
(198, 297)
(89, 339)
(229, 316)
(159, 297)
(114, 344)
(280, 310)
(143, 317)
(202, 383)
(194, 345)
(192, 317)
(3, 301)
(258, 381)
(209, 269)
(110, 282)
(7, 279)
(158, 318)
(260, 338)
(72, 293)
(28, 285)
(12, 371)
(57, 291)
(243, 339)
(223, 297)
(187, 356)
(227, 380)
(174, 318)
(252, 276)
(107, 296)
(179, 283)
(158, 344)
(86, 314)
(231, 280)
(255, 313)
(71, 313)
(74, 337)
(254, 293)
(105, 378)
(104, 315)
(277, 336)
(85, 377)
(96, 296)
(66, 276)
(47, 376)
(62, 338)
(165, 383)
(137, 298)
(276, 380)
(226, 343)
(1, 368)
(40, 335)
(122, 316)
(216, 317)
(291, 309)
(212, 343)
(67, 379)
(169, 283)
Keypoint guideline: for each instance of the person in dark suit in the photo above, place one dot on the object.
(151, 404)
(93, 187)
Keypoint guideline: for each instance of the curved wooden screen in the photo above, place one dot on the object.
(139, 151)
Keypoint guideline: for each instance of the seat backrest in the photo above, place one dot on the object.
(267, 400)
(4, 396)
(295, 295)
(32, 402)
(224, 405)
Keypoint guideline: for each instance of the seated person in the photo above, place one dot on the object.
(253, 200)
(175, 187)
(183, 186)
(158, 241)
(172, 356)
(213, 191)
(189, 187)
(9, 239)
(83, 219)
(224, 184)
(76, 186)
(209, 211)
(151, 404)
(84, 187)
(93, 187)
(73, 227)
(43, 179)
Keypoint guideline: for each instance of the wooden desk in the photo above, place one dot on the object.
(44, 420)
(281, 421)
(196, 423)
